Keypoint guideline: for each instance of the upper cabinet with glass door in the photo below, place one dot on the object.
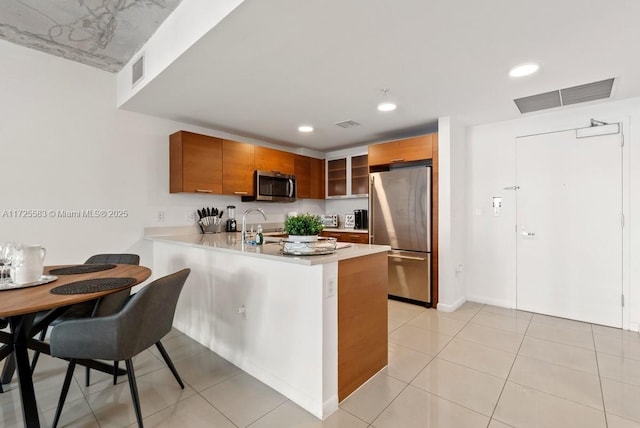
(348, 177)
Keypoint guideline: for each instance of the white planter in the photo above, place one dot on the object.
(300, 244)
(302, 238)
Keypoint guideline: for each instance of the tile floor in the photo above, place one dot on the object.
(480, 366)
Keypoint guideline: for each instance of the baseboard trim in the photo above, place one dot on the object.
(452, 307)
(491, 301)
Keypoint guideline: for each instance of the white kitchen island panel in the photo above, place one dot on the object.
(272, 318)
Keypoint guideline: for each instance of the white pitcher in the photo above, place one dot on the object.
(29, 263)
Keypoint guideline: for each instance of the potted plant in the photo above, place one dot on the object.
(303, 227)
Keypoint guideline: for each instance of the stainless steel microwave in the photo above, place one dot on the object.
(272, 186)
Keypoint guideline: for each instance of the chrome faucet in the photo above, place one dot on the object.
(244, 221)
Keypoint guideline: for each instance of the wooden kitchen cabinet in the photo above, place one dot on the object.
(359, 175)
(362, 320)
(348, 177)
(302, 171)
(309, 174)
(267, 159)
(195, 163)
(337, 177)
(238, 167)
(317, 178)
(353, 237)
(406, 150)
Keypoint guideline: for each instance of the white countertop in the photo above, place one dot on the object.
(231, 243)
(342, 229)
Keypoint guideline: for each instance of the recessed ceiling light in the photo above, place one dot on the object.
(305, 128)
(387, 107)
(524, 69)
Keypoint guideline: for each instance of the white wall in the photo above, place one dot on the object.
(490, 157)
(451, 214)
(65, 146)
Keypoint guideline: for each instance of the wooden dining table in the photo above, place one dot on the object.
(20, 306)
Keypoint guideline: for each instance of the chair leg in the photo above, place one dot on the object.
(167, 360)
(9, 368)
(65, 390)
(115, 372)
(134, 391)
(36, 354)
(87, 376)
(6, 351)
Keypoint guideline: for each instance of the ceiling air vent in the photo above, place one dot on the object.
(567, 96)
(348, 124)
(588, 92)
(137, 71)
(538, 102)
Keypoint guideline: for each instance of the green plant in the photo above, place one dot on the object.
(303, 224)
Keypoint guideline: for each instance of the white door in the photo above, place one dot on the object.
(569, 231)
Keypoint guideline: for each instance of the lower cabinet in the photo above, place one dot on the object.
(353, 237)
(362, 320)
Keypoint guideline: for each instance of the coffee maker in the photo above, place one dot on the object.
(361, 218)
(232, 224)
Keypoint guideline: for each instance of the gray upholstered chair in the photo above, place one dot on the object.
(144, 319)
(6, 350)
(106, 305)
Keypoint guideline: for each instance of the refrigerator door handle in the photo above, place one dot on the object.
(398, 256)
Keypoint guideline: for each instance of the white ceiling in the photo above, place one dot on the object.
(270, 66)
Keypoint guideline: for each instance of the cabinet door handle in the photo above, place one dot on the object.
(397, 160)
(204, 191)
(240, 193)
(397, 256)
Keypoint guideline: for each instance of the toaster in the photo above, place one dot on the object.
(329, 220)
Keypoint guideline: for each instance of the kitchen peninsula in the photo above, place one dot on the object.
(314, 328)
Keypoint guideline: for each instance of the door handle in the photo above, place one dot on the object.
(397, 256)
(528, 234)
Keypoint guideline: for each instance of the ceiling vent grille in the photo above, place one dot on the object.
(588, 92)
(137, 71)
(538, 102)
(562, 97)
(348, 124)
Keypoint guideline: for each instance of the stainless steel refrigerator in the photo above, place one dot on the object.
(400, 216)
